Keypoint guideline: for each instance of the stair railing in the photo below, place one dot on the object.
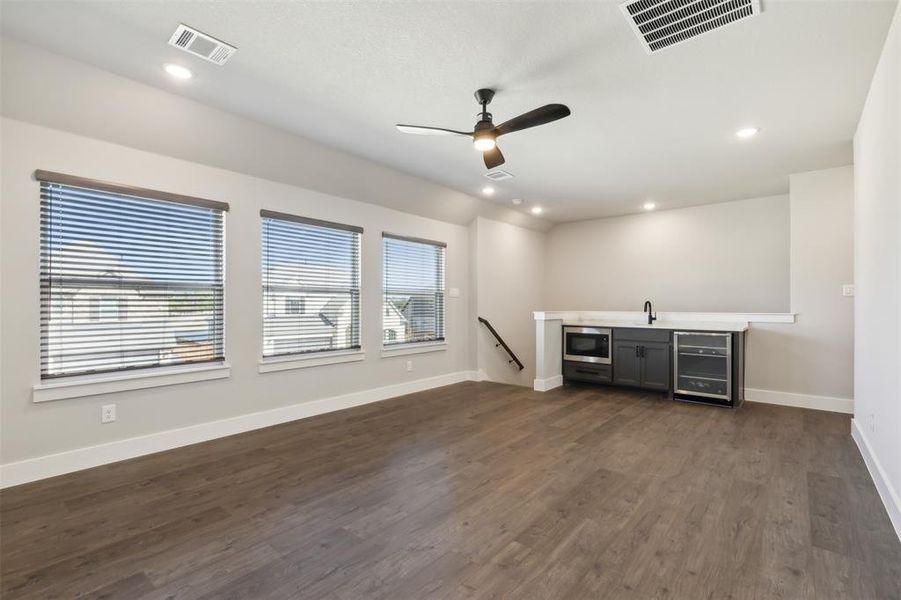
(500, 343)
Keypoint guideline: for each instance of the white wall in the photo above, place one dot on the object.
(729, 257)
(877, 272)
(814, 355)
(31, 430)
(509, 268)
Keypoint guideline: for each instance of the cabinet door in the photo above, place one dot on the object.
(655, 366)
(626, 363)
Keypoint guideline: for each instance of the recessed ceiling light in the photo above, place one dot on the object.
(178, 71)
(649, 206)
(517, 201)
(488, 190)
(747, 132)
(536, 210)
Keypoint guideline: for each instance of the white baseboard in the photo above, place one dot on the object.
(886, 491)
(840, 405)
(92, 456)
(543, 385)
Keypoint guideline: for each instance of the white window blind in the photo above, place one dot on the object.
(413, 310)
(311, 285)
(129, 278)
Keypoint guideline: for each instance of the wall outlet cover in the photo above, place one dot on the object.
(409, 365)
(107, 413)
(848, 289)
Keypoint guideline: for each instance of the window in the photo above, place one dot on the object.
(130, 278)
(311, 285)
(414, 290)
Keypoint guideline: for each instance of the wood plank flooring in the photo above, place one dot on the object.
(475, 490)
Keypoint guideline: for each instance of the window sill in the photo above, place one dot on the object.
(285, 363)
(415, 348)
(92, 385)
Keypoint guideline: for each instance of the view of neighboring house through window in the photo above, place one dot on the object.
(128, 280)
(414, 290)
(311, 285)
(295, 305)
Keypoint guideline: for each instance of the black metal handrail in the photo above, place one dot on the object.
(502, 343)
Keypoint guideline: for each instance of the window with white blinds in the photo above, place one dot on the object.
(413, 310)
(311, 285)
(129, 278)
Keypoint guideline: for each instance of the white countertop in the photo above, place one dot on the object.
(700, 321)
(674, 325)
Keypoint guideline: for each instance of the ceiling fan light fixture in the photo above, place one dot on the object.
(484, 143)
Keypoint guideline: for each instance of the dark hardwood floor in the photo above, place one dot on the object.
(475, 490)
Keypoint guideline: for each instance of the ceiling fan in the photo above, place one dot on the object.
(484, 135)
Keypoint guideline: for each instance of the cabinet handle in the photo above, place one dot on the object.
(637, 351)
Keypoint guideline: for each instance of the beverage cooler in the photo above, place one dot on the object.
(708, 367)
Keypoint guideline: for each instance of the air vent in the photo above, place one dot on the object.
(498, 175)
(660, 24)
(201, 44)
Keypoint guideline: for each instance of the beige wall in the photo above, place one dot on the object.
(877, 270)
(30, 430)
(728, 257)
(509, 269)
(815, 354)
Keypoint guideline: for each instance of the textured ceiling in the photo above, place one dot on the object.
(643, 127)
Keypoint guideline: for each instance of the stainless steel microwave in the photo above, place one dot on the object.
(587, 344)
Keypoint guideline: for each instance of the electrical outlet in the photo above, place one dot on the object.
(409, 365)
(871, 421)
(107, 413)
(848, 289)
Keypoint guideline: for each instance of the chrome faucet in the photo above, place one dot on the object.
(648, 308)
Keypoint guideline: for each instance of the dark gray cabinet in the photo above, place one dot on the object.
(588, 372)
(626, 363)
(655, 370)
(642, 358)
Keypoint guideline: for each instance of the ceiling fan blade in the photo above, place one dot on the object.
(493, 158)
(533, 118)
(419, 130)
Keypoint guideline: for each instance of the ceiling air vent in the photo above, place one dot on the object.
(660, 24)
(201, 44)
(498, 175)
